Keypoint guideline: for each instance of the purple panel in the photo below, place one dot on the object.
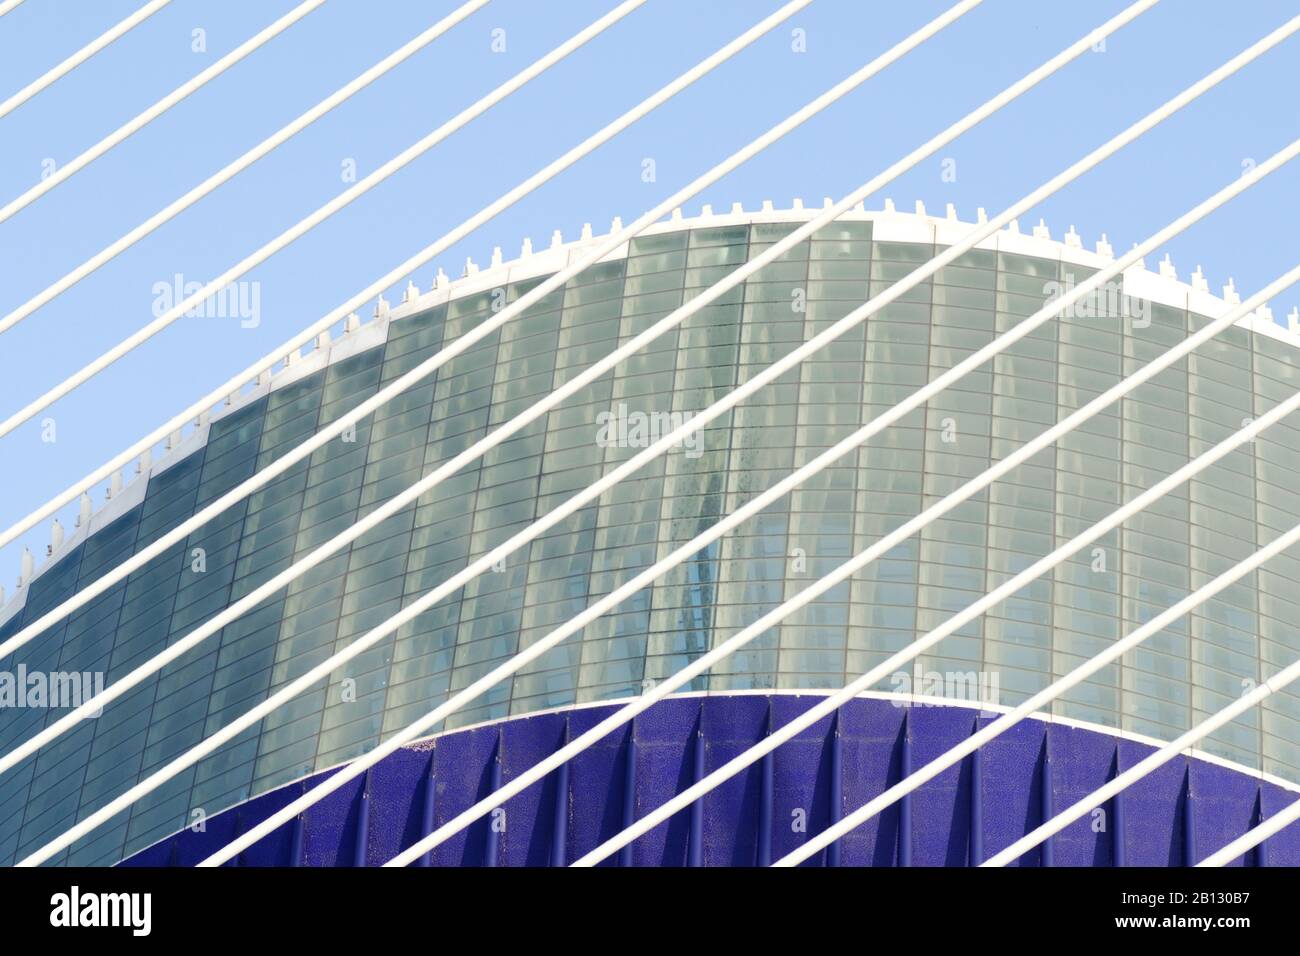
(529, 815)
(1153, 809)
(330, 826)
(1082, 761)
(596, 779)
(462, 775)
(801, 776)
(871, 737)
(1283, 848)
(731, 725)
(940, 807)
(225, 827)
(663, 770)
(397, 803)
(1223, 806)
(1011, 789)
(274, 848)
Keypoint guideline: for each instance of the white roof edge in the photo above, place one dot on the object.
(889, 225)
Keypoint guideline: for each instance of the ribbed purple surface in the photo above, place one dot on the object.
(1177, 815)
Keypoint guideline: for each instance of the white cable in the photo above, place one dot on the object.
(228, 172)
(709, 63)
(865, 682)
(428, 366)
(1175, 747)
(196, 82)
(8, 5)
(81, 56)
(1253, 838)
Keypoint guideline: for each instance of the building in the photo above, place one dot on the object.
(1180, 676)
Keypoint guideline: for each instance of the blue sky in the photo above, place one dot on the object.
(1197, 152)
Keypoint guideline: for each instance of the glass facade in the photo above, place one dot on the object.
(1197, 666)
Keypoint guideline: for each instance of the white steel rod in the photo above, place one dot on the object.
(1022, 454)
(197, 82)
(8, 5)
(81, 56)
(1170, 750)
(424, 369)
(423, 256)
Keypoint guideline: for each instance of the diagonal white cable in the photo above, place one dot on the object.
(197, 82)
(8, 5)
(686, 674)
(790, 123)
(423, 256)
(865, 682)
(1177, 746)
(427, 367)
(324, 212)
(1270, 827)
(81, 56)
(225, 174)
